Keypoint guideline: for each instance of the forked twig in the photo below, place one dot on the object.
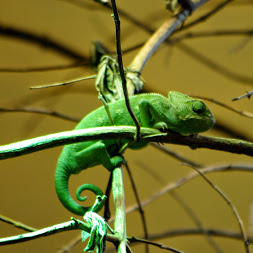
(242, 113)
(181, 181)
(233, 208)
(189, 211)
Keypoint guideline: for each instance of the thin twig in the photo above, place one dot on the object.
(17, 223)
(204, 34)
(39, 40)
(247, 95)
(160, 245)
(19, 33)
(107, 212)
(196, 220)
(121, 68)
(40, 111)
(108, 6)
(214, 65)
(62, 83)
(205, 16)
(87, 5)
(190, 212)
(181, 181)
(195, 231)
(176, 155)
(233, 208)
(48, 68)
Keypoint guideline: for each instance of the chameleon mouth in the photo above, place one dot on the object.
(195, 125)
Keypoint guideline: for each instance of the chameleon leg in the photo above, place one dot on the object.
(97, 152)
(145, 115)
(150, 116)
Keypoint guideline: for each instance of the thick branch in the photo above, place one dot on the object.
(124, 132)
(216, 143)
(63, 138)
(119, 206)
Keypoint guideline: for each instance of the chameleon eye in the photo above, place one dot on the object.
(198, 107)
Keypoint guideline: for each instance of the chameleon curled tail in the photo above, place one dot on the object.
(62, 175)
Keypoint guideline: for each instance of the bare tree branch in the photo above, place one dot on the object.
(42, 41)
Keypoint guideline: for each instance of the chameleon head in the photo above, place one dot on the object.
(191, 116)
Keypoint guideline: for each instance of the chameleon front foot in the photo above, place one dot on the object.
(162, 126)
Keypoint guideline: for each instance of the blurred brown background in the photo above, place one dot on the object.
(27, 183)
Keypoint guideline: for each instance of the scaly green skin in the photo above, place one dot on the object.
(178, 113)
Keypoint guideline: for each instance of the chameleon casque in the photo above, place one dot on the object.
(178, 113)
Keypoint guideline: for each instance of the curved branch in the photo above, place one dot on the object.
(40, 111)
(212, 64)
(194, 231)
(124, 132)
(39, 40)
(68, 137)
(181, 181)
(77, 64)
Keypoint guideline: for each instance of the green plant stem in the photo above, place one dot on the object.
(119, 205)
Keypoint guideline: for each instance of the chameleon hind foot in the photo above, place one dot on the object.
(116, 161)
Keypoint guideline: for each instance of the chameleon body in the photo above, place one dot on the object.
(178, 113)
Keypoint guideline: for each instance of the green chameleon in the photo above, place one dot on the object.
(178, 113)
